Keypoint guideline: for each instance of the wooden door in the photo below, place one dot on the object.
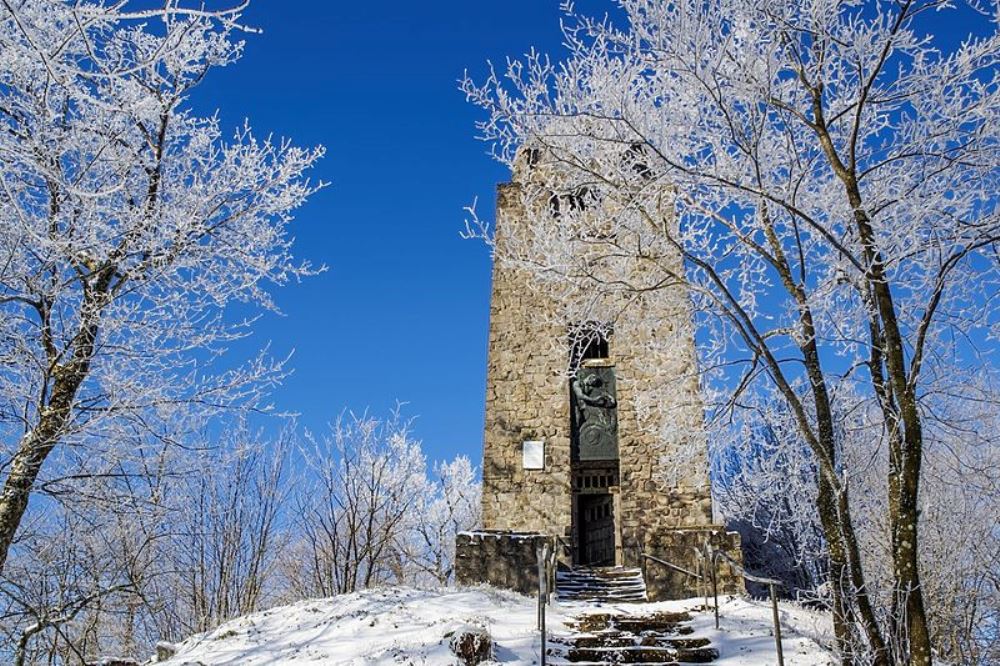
(597, 529)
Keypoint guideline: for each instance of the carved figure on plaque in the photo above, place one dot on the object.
(595, 414)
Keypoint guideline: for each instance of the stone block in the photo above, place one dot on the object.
(503, 559)
(680, 547)
(472, 646)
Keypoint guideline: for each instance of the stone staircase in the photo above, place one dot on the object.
(601, 585)
(617, 638)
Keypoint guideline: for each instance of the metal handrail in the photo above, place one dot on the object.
(772, 585)
(566, 546)
(743, 572)
(713, 555)
(670, 565)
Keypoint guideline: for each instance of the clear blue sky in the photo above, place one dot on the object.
(402, 313)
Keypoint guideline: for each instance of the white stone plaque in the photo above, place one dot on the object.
(533, 453)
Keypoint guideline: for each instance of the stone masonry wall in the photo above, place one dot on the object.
(655, 495)
(507, 560)
(528, 398)
(663, 502)
(678, 547)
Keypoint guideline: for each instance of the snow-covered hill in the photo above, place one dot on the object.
(406, 626)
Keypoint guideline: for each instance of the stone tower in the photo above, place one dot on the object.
(565, 458)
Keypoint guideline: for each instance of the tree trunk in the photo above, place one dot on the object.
(832, 499)
(37, 444)
(838, 572)
(903, 512)
(902, 516)
(905, 529)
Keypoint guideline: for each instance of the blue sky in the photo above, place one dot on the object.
(402, 313)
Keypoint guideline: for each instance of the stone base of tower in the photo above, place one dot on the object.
(509, 560)
(501, 558)
(680, 547)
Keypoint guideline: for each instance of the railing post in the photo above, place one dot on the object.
(715, 587)
(542, 554)
(553, 567)
(701, 569)
(777, 625)
(771, 585)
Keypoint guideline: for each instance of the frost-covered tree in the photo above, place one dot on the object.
(50, 604)
(766, 488)
(227, 526)
(371, 513)
(821, 177)
(129, 224)
(179, 550)
(366, 478)
(449, 504)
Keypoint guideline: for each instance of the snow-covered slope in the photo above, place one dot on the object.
(403, 625)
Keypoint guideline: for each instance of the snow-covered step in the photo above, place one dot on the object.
(604, 584)
(624, 638)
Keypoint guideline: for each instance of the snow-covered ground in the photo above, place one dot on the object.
(406, 626)
(745, 635)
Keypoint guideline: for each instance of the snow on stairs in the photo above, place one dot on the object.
(601, 584)
(615, 638)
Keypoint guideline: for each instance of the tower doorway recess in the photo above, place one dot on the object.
(595, 523)
(594, 445)
(597, 529)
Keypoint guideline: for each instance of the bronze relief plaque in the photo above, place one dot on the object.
(594, 424)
